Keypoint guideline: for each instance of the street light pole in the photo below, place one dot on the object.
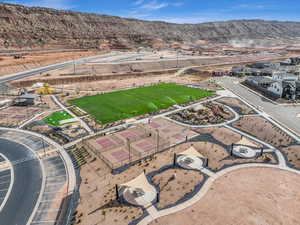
(177, 59)
(157, 133)
(44, 146)
(74, 66)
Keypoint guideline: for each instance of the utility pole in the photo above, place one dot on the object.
(157, 139)
(74, 66)
(177, 58)
(44, 146)
(128, 145)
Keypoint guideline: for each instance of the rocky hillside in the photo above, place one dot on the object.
(35, 27)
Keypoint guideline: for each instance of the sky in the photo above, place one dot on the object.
(180, 11)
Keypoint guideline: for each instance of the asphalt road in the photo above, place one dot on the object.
(5, 180)
(51, 67)
(287, 115)
(26, 187)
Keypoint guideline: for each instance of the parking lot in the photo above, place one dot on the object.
(5, 179)
(55, 191)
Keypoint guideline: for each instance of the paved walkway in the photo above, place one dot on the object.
(83, 124)
(277, 112)
(154, 213)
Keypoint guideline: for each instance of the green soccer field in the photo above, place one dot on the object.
(110, 107)
(55, 118)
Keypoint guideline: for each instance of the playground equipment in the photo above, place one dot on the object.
(44, 90)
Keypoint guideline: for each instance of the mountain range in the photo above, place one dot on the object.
(35, 27)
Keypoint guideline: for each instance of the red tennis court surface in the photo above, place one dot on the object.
(120, 155)
(144, 139)
(105, 142)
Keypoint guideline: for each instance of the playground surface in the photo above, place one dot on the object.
(56, 119)
(137, 101)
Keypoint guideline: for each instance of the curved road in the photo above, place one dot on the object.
(26, 187)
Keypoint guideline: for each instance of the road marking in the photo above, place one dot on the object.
(55, 184)
(53, 200)
(51, 210)
(51, 177)
(4, 189)
(50, 192)
(12, 180)
(43, 221)
(5, 176)
(5, 182)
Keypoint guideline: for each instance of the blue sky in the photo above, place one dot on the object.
(181, 11)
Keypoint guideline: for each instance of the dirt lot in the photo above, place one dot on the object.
(82, 89)
(99, 183)
(250, 196)
(174, 184)
(263, 129)
(237, 105)
(9, 65)
(293, 154)
(15, 115)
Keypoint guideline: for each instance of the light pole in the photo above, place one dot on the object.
(157, 139)
(177, 58)
(44, 146)
(128, 145)
(74, 66)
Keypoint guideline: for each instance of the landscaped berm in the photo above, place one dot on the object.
(114, 106)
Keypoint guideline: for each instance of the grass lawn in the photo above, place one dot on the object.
(55, 118)
(110, 107)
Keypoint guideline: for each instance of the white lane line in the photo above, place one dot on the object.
(5, 182)
(40, 195)
(12, 180)
(43, 221)
(5, 176)
(51, 210)
(51, 192)
(49, 177)
(43, 180)
(55, 184)
(53, 200)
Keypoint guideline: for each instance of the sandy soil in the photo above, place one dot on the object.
(174, 184)
(293, 154)
(116, 84)
(253, 196)
(263, 129)
(91, 88)
(9, 65)
(218, 157)
(99, 183)
(237, 105)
